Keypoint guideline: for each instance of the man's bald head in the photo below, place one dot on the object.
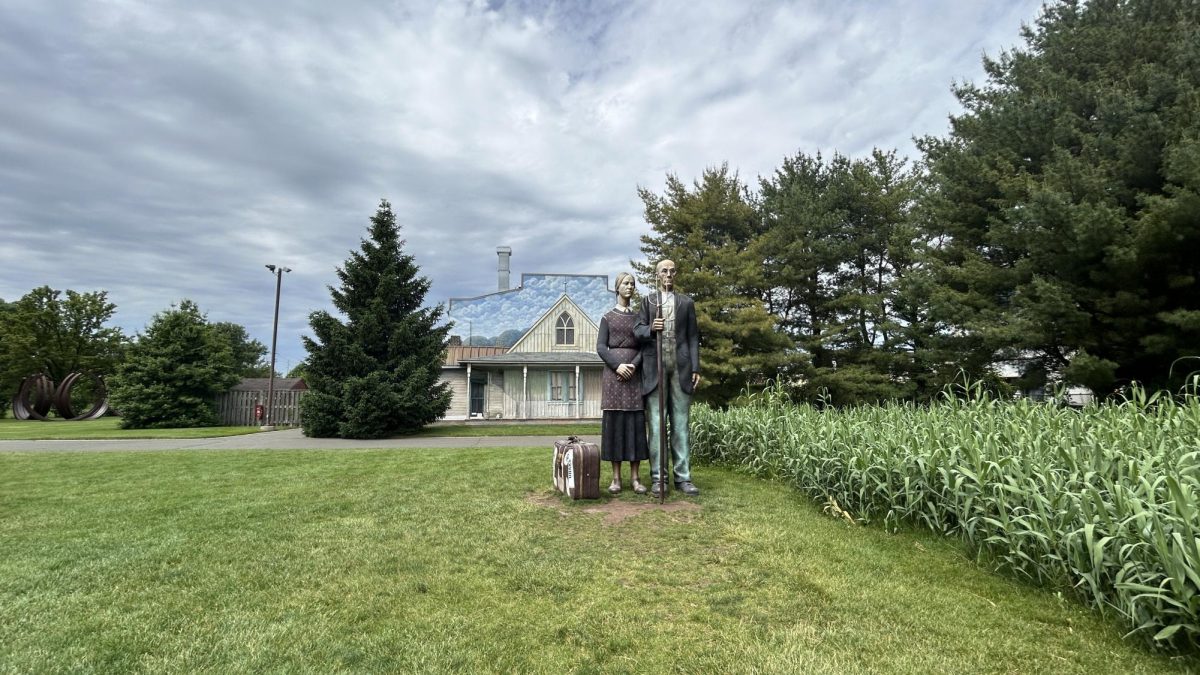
(665, 271)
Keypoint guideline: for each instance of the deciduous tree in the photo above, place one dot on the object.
(249, 355)
(56, 333)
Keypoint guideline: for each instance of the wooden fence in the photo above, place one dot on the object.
(237, 407)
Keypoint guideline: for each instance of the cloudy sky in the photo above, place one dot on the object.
(168, 149)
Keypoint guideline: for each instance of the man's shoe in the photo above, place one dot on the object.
(687, 488)
(656, 488)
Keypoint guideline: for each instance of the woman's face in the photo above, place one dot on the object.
(625, 288)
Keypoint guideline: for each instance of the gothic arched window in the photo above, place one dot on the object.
(564, 330)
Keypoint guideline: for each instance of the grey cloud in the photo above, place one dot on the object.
(169, 150)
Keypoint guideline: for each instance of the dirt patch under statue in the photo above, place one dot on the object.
(615, 511)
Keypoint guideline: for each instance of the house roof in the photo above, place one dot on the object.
(455, 354)
(538, 359)
(264, 383)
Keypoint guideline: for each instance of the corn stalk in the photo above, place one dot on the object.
(1104, 501)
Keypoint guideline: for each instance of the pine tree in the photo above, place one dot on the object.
(173, 373)
(1066, 208)
(710, 233)
(377, 373)
(839, 250)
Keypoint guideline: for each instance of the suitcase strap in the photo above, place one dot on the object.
(569, 469)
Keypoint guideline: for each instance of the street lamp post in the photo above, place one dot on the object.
(278, 272)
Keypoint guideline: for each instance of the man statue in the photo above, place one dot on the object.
(681, 370)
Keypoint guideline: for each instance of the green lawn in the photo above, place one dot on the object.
(107, 428)
(461, 560)
(104, 428)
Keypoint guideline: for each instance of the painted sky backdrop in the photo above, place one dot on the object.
(167, 150)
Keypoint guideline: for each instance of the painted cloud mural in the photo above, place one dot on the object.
(501, 318)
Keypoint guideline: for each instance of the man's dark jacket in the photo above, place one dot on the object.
(687, 342)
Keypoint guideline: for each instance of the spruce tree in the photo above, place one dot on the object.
(376, 374)
(173, 373)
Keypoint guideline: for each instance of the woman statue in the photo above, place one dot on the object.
(623, 431)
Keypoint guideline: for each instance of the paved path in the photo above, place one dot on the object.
(288, 439)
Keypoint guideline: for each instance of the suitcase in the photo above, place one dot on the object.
(577, 468)
(560, 476)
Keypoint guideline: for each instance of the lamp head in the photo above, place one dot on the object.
(270, 267)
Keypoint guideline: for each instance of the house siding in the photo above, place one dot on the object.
(593, 387)
(457, 379)
(494, 395)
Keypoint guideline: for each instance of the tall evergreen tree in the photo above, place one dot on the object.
(839, 250)
(377, 373)
(173, 373)
(1066, 208)
(710, 232)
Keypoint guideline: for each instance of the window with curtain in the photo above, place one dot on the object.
(562, 385)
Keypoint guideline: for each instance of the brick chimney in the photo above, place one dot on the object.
(504, 253)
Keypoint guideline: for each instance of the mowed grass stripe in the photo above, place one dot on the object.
(102, 429)
(109, 428)
(449, 560)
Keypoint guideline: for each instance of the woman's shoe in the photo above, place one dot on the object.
(614, 488)
(638, 488)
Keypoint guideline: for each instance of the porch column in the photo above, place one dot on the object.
(524, 392)
(578, 394)
(468, 391)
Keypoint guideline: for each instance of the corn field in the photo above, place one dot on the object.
(1104, 500)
